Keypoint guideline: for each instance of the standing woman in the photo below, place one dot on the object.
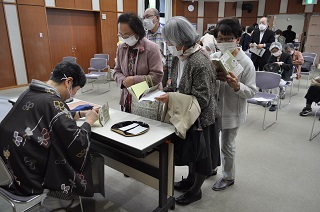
(192, 73)
(136, 58)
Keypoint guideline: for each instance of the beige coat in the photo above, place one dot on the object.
(181, 111)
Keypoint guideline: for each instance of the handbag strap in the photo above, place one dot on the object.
(149, 80)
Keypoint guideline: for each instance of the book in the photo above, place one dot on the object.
(257, 51)
(104, 115)
(142, 92)
(227, 62)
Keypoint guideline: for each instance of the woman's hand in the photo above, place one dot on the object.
(128, 81)
(232, 81)
(279, 63)
(163, 98)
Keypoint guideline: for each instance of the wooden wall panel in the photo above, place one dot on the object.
(295, 7)
(83, 4)
(109, 31)
(177, 8)
(272, 7)
(207, 21)
(316, 8)
(187, 13)
(60, 34)
(65, 3)
(31, 2)
(36, 49)
(84, 36)
(108, 5)
(130, 6)
(230, 9)
(248, 21)
(211, 9)
(6, 68)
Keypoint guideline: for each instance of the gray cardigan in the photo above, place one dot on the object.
(233, 104)
(198, 79)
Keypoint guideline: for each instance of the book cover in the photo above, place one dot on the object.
(138, 89)
(228, 63)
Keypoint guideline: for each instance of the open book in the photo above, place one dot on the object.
(227, 62)
(104, 115)
(257, 51)
(142, 92)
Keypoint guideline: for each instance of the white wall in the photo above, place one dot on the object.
(281, 21)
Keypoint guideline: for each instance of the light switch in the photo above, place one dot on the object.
(104, 16)
(41, 35)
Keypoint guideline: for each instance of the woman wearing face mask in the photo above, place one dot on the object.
(233, 94)
(297, 58)
(136, 58)
(284, 60)
(279, 38)
(192, 74)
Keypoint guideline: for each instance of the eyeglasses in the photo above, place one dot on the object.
(222, 40)
(147, 16)
(125, 36)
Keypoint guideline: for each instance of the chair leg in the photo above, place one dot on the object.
(80, 200)
(312, 136)
(264, 117)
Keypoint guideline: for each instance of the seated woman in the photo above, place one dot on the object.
(279, 38)
(192, 74)
(313, 95)
(284, 60)
(297, 58)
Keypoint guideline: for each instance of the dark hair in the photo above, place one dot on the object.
(228, 26)
(278, 32)
(250, 29)
(289, 27)
(255, 25)
(134, 23)
(69, 69)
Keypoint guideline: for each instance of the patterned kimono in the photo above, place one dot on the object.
(43, 147)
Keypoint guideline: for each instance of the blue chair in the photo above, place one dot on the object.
(266, 81)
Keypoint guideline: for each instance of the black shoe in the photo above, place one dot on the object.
(222, 184)
(126, 175)
(183, 185)
(267, 104)
(213, 173)
(305, 111)
(188, 197)
(273, 108)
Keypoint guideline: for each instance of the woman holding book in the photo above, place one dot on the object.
(234, 90)
(192, 73)
(137, 58)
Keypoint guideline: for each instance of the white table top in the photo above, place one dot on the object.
(157, 131)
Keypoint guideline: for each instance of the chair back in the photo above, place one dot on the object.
(267, 80)
(312, 59)
(70, 59)
(98, 63)
(5, 175)
(309, 54)
(105, 56)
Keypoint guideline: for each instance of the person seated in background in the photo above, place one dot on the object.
(208, 41)
(42, 145)
(279, 38)
(312, 95)
(246, 38)
(297, 58)
(284, 61)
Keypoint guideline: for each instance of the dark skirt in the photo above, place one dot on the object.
(313, 94)
(198, 152)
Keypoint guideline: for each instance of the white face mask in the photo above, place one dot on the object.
(277, 36)
(276, 54)
(148, 23)
(231, 46)
(131, 41)
(291, 52)
(262, 27)
(173, 50)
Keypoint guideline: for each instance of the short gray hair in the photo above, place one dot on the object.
(179, 31)
(289, 46)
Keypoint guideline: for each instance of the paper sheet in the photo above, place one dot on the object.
(256, 51)
(150, 96)
(137, 130)
(128, 127)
